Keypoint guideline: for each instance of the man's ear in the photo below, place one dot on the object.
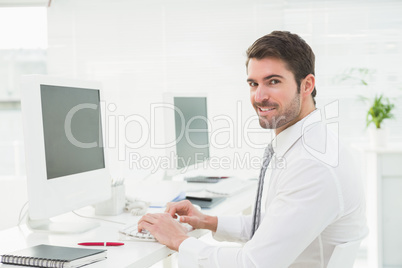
(307, 85)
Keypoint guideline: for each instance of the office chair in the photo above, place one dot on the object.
(344, 255)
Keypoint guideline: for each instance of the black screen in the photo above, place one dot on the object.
(193, 146)
(72, 130)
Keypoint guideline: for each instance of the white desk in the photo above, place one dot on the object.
(132, 254)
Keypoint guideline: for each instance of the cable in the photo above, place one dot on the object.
(96, 218)
(136, 207)
(20, 218)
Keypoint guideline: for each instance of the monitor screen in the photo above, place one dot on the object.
(191, 129)
(72, 125)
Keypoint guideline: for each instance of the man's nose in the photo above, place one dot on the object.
(261, 94)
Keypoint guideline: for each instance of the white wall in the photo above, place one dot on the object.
(141, 49)
(13, 196)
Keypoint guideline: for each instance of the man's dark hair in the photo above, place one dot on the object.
(291, 48)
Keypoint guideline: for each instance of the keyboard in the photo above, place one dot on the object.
(131, 231)
(230, 187)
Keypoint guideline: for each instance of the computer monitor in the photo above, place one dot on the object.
(64, 149)
(187, 131)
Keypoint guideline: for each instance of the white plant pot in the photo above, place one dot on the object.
(378, 137)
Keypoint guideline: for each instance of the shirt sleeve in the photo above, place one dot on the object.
(304, 205)
(233, 228)
(195, 253)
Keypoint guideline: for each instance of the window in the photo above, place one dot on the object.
(23, 50)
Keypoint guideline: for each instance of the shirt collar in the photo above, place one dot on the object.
(284, 140)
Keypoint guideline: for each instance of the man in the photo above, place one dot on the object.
(312, 203)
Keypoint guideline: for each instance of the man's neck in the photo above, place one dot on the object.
(302, 115)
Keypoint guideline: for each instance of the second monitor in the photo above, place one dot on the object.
(188, 127)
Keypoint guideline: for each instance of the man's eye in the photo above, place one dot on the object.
(253, 84)
(274, 82)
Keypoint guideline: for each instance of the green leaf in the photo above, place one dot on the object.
(380, 109)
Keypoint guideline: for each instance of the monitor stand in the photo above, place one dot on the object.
(60, 227)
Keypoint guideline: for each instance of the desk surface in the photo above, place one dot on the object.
(132, 254)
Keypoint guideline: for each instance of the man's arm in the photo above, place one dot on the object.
(225, 228)
(307, 201)
(189, 214)
(168, 231)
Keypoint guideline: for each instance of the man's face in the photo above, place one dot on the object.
(273, 93)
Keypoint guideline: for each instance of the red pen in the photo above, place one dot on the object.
(105, 244)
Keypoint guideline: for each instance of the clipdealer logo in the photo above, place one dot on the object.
(325, 149)
(238, 131)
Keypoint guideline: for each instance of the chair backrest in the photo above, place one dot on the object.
(344, 255)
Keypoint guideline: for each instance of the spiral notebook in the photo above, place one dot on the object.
(54, 256)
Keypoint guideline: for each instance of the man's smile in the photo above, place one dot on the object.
(264, 110)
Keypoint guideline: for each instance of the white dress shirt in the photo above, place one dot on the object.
(314, 200)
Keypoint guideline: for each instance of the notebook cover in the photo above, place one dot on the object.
(55, 252)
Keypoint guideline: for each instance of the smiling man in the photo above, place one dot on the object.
(271, 96)
(303, 210)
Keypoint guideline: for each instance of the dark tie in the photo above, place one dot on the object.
(257, 208)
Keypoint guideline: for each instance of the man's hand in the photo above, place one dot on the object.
(164, 228)
(189, 214)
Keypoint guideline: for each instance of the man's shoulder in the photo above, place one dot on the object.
(320, 144)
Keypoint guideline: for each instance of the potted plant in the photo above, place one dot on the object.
(379, 110)
(380, 107)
